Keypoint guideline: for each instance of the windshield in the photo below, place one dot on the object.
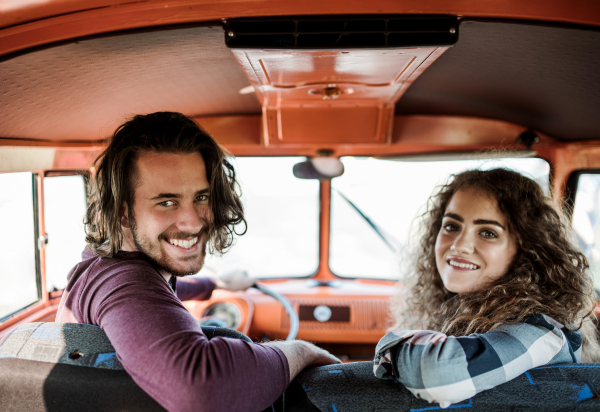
(375, 201)
(283, 221)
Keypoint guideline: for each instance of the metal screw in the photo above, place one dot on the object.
(452, 30)
(230, 34)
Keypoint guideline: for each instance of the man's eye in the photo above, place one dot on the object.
(167, 203)
(490, 234)
(202, 198)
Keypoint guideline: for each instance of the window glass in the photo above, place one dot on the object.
(283, 221)
(391, 193)
(64, 208)
(18, 275)
(586, 220)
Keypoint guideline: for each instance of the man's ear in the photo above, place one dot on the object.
(125, 216)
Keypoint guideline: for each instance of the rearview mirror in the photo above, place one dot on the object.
(319, 168)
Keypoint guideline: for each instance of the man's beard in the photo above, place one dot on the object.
(156, 254)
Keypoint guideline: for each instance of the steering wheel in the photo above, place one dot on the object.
(214, 331)
(294, 323)
(218, 325)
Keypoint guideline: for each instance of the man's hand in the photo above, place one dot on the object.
(235, 280)
(301, 354)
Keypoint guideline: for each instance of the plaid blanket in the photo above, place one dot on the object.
(449, 369)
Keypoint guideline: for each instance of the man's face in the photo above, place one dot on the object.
(171, 216)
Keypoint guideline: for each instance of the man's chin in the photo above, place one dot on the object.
(182, 267)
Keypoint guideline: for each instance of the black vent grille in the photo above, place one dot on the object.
(342, 32)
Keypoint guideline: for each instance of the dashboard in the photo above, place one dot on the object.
(346, 317)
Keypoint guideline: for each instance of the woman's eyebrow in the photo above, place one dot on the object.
(488, 222)
(454, 216)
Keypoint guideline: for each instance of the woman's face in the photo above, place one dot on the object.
(473, 246)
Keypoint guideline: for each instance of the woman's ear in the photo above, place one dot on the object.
(125, 216)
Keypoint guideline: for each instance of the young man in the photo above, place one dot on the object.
(161, 193)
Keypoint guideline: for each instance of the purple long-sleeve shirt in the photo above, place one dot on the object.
(161, 345)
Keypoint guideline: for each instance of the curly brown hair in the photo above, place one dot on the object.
(114, 180)
(547, 276)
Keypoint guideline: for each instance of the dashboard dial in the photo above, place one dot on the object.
(227, 312)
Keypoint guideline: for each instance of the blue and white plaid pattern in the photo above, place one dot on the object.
(449, 369)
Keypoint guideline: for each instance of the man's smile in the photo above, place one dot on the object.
(183, 243)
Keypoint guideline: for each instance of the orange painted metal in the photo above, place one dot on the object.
(367, 300)
(30, 23)
(40, 312)
(242, 136)
(365, 326)
(66, 159)
(566, 159)
(244, 303)
(323, 272)
(341, 96)
(81, 144)
(42, 232)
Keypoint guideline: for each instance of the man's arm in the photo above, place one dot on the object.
(301, 354)
(162, 347)
(196, 288)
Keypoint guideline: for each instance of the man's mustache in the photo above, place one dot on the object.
(185, 235)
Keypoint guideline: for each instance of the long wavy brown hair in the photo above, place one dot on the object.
(114, 180)
(547, 276)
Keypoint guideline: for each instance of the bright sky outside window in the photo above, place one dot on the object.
(391, 194)
(64, 208)
(18, 279)
(282, 212)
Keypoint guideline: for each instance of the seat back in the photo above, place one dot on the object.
(352, 387)
(48, 366)
(65, 367)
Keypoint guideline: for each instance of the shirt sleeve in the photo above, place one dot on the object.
(193, 288)
(162, 347)
(448, 369)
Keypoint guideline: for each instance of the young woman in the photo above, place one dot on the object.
(499, 286)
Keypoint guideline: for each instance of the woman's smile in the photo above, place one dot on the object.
(461, 264)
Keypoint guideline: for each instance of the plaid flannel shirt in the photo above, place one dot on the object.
(450, 369)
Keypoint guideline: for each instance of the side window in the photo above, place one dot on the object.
(19, 280)
(586, 219)
(64, 208)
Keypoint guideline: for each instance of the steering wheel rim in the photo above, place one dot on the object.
(294, 321)
(215, 331)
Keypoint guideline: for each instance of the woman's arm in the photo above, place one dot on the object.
(449, 369)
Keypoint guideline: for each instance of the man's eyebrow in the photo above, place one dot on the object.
(177, 196)
(488, 222)
(454, 216)
(165, 196)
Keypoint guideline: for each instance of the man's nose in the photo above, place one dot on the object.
(463, 243)
(191, 219)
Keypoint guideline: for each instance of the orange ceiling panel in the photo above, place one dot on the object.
(297, 90)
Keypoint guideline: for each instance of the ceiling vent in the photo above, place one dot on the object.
(326, 80)
(342, 32)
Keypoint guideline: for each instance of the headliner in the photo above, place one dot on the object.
(539, 76)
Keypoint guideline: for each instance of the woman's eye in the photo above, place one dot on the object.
(202, 198)
(450, 227)
(489, 234)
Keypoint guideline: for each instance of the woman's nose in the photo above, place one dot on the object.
(463, 243)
